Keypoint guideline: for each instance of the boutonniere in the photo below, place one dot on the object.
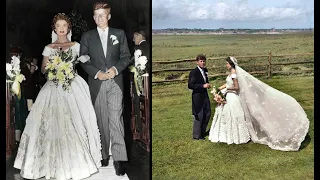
(114, 39)
(206, 73)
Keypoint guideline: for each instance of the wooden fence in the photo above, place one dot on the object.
(268, 72)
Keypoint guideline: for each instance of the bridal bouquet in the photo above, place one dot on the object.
(138, 69)
(218, 96)
(14, 76)
(60, 68)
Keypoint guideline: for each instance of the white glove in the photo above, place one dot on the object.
(223, 91)
(84, 58)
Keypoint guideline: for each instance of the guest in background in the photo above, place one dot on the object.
(141, 43)
(20, 104)
(31, 86)
(139, 39)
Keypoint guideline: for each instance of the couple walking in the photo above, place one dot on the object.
(253, 110)
(68, 133)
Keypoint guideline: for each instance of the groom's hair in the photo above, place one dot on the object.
(101, 5)
(142, 33)
(201, 57)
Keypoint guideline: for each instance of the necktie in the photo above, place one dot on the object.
(104, 42)
(204, 77)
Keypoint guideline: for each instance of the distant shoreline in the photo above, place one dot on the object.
(226, 31)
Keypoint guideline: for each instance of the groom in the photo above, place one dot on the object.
(201, 109)
(109, 56)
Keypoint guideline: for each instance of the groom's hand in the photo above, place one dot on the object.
(207, 86)
(102, 76)
(111, 73)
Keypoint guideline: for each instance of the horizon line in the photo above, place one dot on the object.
(232, 28)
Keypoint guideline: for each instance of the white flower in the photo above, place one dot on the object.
(10, 74)
(13, 71)
(15, 61)
(15, 64)
(213, 91)
(137, 53)
(8, 67)
(113, 37)
(16, 68)
(142, 61)
(9, 70)
(115, 42)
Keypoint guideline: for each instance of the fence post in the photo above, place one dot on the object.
(269, 64)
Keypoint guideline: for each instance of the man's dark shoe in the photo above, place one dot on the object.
(105, 162)
(118, 166)
(201, 138)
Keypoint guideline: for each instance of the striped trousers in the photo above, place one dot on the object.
(108, 107)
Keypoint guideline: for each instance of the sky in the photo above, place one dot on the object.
(232, 14)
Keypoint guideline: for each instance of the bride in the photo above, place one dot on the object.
(61, 139)
(256, 111)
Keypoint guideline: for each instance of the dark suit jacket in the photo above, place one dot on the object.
(30, 84)
(145, 48)
(118, 55)
(199, 93)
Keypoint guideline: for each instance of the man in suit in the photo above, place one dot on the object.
(109, 56)
(201, 109)
(139, 39)
(31, 84)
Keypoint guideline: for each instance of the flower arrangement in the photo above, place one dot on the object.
(138, 69)
(218, 96)
(60, 68)
(114, 39)
(14, 76)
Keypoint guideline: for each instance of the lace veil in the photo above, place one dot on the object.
(273, 117)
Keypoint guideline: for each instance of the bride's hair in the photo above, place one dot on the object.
(231, 62)
(61, 16)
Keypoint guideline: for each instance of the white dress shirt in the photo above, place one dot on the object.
(141, 41)
(104, 38)
(103, 34)
(202, 72)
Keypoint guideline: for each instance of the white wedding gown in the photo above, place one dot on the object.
(229, 125)
(270, 116)
(61, 139)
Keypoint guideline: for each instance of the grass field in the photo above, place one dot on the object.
(176, 156)
(166, 48)
(182, 47)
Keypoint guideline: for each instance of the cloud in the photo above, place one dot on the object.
(193, 10)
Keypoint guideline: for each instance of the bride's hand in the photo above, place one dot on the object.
(84, 58)
(223, 91)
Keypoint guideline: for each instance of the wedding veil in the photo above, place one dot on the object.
(273, 117)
